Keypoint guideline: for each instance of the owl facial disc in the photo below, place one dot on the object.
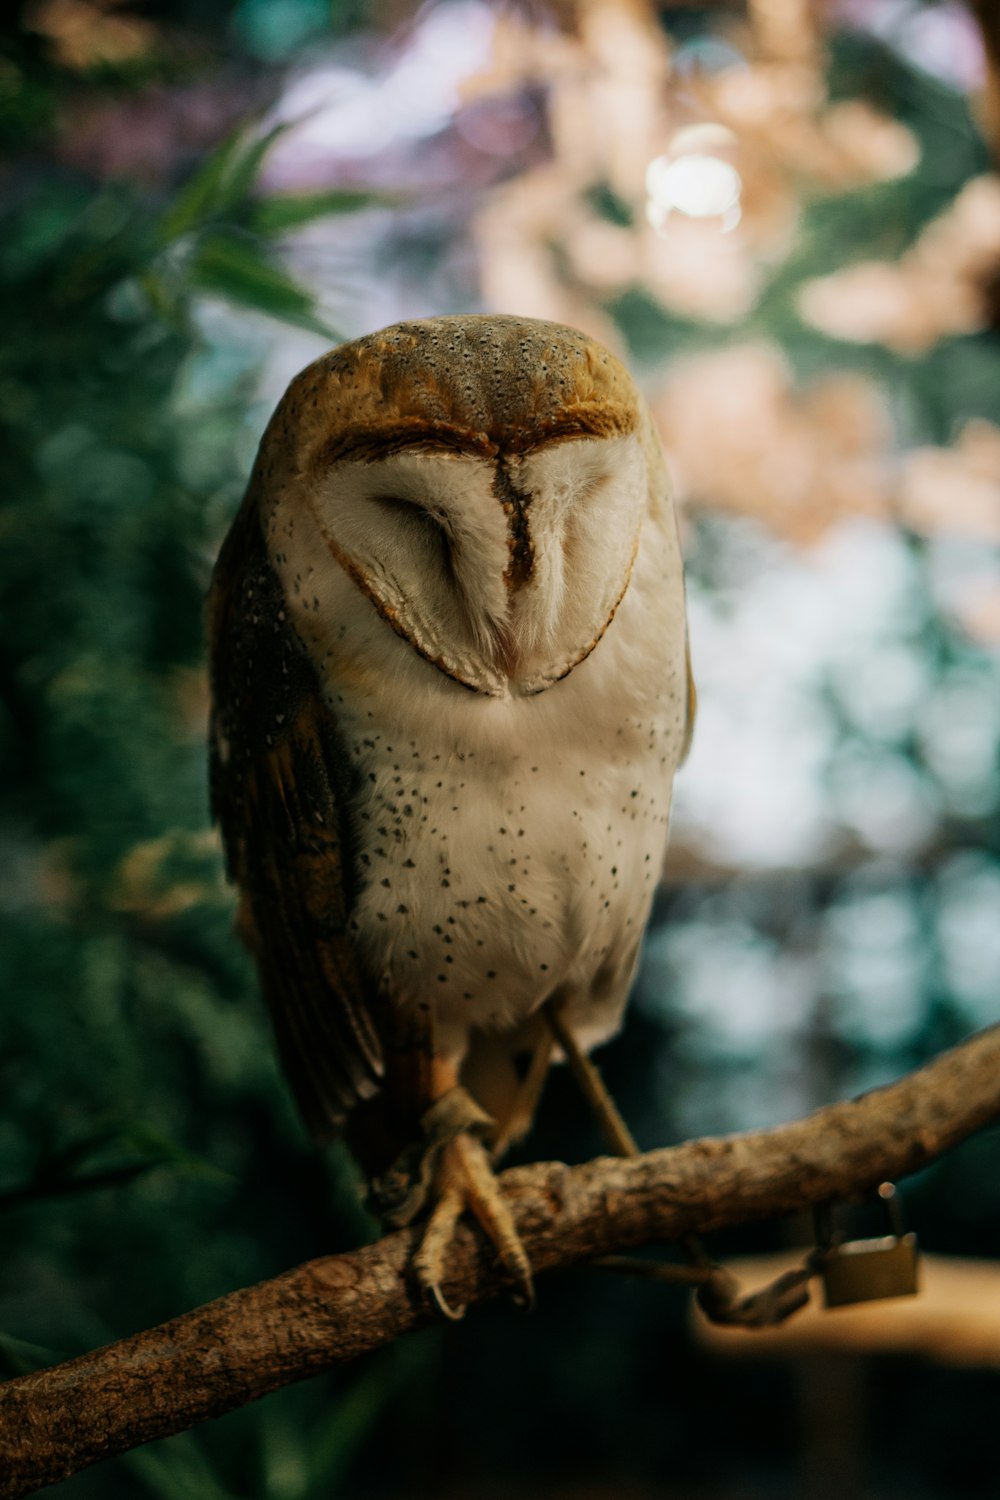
(503, 572)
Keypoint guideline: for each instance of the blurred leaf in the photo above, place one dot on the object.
(166, 300)
(201, 194)
(237, 269)
(220, 185)
(337, 1439)
(285, 1472)
(161, 1151)
(20, 1357)
(175, 1468)
(297, 1464)
(57, 1174)
(245, 167)
(292, 210)
(45, 1187)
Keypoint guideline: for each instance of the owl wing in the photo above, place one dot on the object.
(280, 786)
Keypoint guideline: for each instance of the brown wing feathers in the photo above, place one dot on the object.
(280, 786)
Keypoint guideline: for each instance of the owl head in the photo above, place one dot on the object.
(482, 481)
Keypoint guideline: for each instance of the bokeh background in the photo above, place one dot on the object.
(786, 216)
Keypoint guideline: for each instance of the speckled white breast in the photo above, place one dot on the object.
(510, 846)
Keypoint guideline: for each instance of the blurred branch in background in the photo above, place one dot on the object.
(330, 1311)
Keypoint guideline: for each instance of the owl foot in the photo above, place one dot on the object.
(449, 1170)
(402, 1193)
(465, 1180)
(591, 1084)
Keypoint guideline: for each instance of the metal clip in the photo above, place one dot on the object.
(867, 1270)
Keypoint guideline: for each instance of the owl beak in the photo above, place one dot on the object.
(505, 651)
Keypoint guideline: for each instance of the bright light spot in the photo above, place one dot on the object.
(693, 179)
(701, 186)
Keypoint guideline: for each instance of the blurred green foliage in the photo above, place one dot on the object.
(143, 1121)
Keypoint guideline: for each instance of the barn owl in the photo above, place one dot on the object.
(450, 691)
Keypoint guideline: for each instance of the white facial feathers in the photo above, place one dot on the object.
(589, 497)
(502, 573)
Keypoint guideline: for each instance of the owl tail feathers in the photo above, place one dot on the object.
(329, 1071)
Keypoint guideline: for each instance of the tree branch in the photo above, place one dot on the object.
(329, 1311)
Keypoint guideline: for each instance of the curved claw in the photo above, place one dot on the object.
(439, 1303)
(523, 1296)
(466, 1181)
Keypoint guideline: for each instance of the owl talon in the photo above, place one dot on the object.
(523, 1296)
(439, 1303)
(402, 1192)
(466, 1181)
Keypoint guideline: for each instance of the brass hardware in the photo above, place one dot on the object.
(868, 1270)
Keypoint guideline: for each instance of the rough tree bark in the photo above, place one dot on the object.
(329, 1311)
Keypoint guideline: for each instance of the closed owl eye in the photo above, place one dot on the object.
(433, 526)
(397, 505)
(413, 511)
(593, 485)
